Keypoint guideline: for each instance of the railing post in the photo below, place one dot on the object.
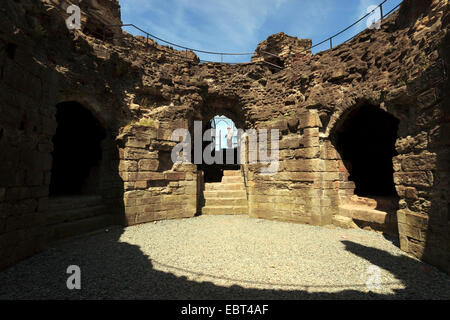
(331, 43)
(381, 11)
(146, 43)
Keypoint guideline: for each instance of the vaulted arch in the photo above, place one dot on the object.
(77, 151)
(365, 139)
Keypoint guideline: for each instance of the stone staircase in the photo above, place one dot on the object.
(227, 197)
(72, 216)
(377, 213)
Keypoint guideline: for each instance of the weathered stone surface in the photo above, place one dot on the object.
(284, 50)
(148, 165)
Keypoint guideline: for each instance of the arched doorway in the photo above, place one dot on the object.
(222, 188)
(76, 195)
(225, 151)
(76, 151)
(366, 142)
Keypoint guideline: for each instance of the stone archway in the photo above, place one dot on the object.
(77, 151)
(221, 186)
(226, 155)
(80, 174)
(365, 140)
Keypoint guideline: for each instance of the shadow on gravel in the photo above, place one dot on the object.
(414, 274)
(118, 270)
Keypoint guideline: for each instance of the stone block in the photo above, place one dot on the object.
(18, 193)
(422, 162)
(129, 202)
(146, 176)
(416, 220)
(141, 184)
(307, 153)
(128, 186)
(416, 248)
(137, 154)
(296, 176)
(175, 176)
(427, 99)
(148, 200)
(409, 231)
(420, 179)
(129, 218)
(310, 137)
(148, 165)
(330, 153)
(440, 136)
(344, 222)
(135, 142)
(38, 192)
(290, 142)
(128, 176)
(310, 119)
(411, 193)
(128, 165)
(303, 165)
(34, 177)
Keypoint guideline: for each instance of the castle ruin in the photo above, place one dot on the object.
(87, 118)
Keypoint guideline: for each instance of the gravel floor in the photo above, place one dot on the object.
(226, 257)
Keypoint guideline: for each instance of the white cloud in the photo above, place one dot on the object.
(234, 25)
(235, 22)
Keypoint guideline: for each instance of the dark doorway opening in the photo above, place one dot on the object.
(366, 142)
(226, 148)
(77, 151)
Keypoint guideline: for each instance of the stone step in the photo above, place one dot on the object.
(232, 173)
(364, 214)
(379, 203)
(69, 203)
(75, 228)
(61, 216)
(217, 202)
(225, 210)
(232, 179)
(224, 186)
(362, 202)
(344, 222)
(238, 194)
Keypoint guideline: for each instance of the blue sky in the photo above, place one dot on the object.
(239, 25)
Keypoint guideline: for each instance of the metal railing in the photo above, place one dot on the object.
(222, 54)
(154, 38)
(150, 36)
(330, 39)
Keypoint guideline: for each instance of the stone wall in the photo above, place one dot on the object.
(155, 188)
(283, 50)
(38, 71)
